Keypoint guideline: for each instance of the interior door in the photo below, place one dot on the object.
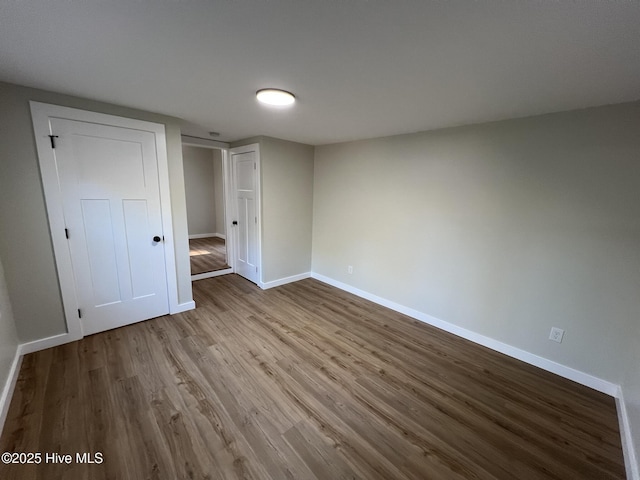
(244, 163)
(111, 201)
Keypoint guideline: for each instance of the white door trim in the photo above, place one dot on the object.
(231, 229)
(40, 115)
(229, 210)
(203, 142)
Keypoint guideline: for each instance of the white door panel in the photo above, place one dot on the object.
(100, 250)
(110, 192)
(246, 199)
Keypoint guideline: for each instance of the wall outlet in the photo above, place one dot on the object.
(556, 334)
(349, 269)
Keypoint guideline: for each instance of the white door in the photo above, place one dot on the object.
(109, 188)
(245, 164)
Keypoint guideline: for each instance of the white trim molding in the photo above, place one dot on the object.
(183, 307)
(9, 387)
(203, 142)
(284, 281)
(527, 357)
(229, 208)
(202, 235)
(207, 235)
(628, 450)
(215, 273)
(44, 343)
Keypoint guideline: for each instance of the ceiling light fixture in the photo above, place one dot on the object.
(275, 96)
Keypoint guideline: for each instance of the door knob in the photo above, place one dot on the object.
(156, 238)
(235, 222)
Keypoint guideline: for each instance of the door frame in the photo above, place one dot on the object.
(253, 147)
(40, 115)
(190, 141)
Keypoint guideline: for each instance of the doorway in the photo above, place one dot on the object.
(205, 188)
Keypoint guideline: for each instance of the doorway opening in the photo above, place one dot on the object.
(207, 254)
(205, 177)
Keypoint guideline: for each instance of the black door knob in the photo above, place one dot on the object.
(235, 222)
(156, 238)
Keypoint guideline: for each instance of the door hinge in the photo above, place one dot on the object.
(53, 140)
(66, 233)
(254, 166)
(256, 269)
(79, 313)
(256, 218)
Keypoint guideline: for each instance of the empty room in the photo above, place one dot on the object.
(319, 240)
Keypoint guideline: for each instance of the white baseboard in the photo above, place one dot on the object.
(284, 281)
(44, 343)
(55, 340)
(9, 387)
(630, 458)
(217, 273)
(527, 357)
(202, 235)
(183, 307)
(207, 235)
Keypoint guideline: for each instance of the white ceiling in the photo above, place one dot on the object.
(360, 68)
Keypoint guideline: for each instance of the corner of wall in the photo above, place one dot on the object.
(628, 447)
(10, 357)
(9, 386)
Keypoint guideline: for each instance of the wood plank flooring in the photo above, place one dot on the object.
(302, 381)
(207, 254)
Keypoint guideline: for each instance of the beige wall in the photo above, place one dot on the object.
(505, 229)
(218, 192)
(287, 206)
(25, 243)
(8, 335)
(199, 186)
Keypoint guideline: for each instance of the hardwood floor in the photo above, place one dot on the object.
(207, 255)
(302, 381)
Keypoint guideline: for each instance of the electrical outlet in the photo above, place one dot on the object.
(349, 269)
(556, 334)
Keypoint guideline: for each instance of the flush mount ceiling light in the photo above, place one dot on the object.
(275, 96)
